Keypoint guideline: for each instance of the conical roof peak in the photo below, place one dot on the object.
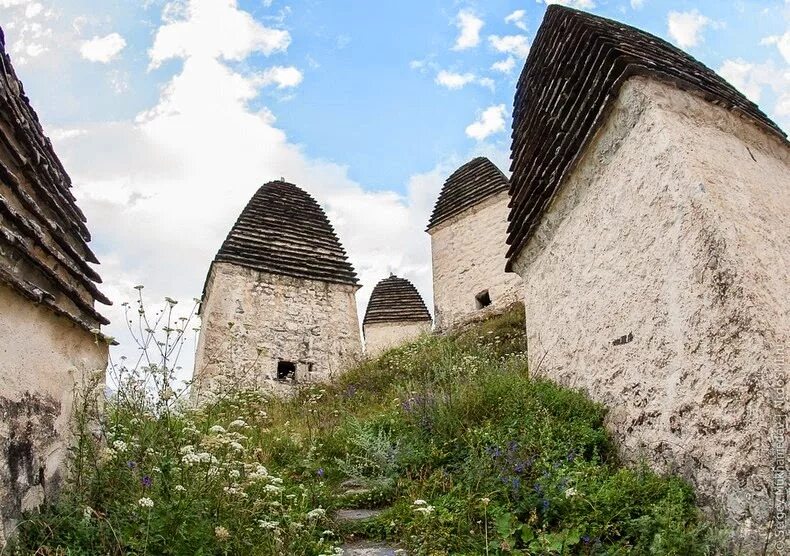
(470, 184)
(283, 230)
(396, 299)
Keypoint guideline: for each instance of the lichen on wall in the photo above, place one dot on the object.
(252, 320)
(381, 336)
(468, 257)
(657, 281)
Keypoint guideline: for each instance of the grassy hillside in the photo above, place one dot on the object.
(469, 454)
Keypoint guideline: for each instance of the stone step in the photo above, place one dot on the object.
(354, 514)
(363, 548)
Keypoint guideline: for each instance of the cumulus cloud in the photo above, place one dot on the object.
(281, 76)
(469, 26)
(782, 43)
(637, 4)
(578, 4)
(517, 45)
(28, 29)
(454, 80)
(686, 28)
(103, 49)
(517, 19)
(490, 121)
(754, 80)
(504, 66)
(161, 205)
(192, 31)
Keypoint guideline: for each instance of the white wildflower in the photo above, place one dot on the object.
(420, 502)
(119, 446)
(217, 429)
(267, 525)
(87, 513)
(316, 513)
(570, 492)
(221, 533)
(179, 488)
(239, 423)
(145, 503)
(424, 510)
(234, 474)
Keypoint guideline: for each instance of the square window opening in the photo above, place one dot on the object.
(483, 299)
(286, 370)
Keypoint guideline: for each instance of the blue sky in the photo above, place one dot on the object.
(169, 114)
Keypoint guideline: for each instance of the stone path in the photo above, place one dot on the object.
(364, 548)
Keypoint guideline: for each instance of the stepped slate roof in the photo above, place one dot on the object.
(395, 300)
(283, 230)
(574, 71)
(44, 253)
(473, 182)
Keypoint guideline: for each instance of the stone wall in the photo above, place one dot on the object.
(468, 256)
(381, 336)
(252, 320)
(42, 359)
(657, 281)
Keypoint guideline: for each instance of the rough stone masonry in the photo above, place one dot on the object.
(649, 222)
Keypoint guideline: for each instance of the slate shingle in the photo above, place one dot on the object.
(574, 71)
(395, 300)
(44, 253)
(472, 183)
(283, 230)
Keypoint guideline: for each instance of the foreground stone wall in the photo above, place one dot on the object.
(468, 256)
(42, 358)
(658, 282)
(252, 320)
(381, 336)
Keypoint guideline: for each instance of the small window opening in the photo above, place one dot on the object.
(483, 299)
(309, 367)
(286, 370)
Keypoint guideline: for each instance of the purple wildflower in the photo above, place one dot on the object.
(146, 481)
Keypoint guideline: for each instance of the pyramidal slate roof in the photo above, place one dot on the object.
(574, 71)
(395, 300)
(44, 253)
(283, 230)
(473, 182)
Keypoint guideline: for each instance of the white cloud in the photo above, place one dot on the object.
(782, 43)
(754, 80)
(192, 31)
(469, 26)
(504, 66)
(281, 76)
(517, 19)
(637, 4)
(28, 29)
(578, 4)
(517, 45)
(103, 49)
(490, 121)
(454, 80)
(164, 202)
(685, 28)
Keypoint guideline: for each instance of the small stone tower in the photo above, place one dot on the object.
(279, 304)
(49, 325)
(395, 315)
(468, 228)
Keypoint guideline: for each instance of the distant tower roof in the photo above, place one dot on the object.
(473, 182)
(395, 300)
(283, 230)
(574, 71)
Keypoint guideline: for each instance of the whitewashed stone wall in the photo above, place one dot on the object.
(381, 336)
(252, 320)
(468, 256)
(43, 358)
(658, 282)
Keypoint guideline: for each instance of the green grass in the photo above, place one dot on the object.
(469, 454)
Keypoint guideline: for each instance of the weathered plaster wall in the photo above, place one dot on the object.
(42, 358)
(658, 282)
(468, 256)
(274, 317)
(381, 336)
